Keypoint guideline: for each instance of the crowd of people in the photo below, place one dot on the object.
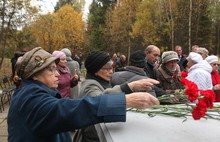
(49, 104)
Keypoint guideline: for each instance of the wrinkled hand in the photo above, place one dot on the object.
(141, 100)
(143, 84)
(75, 77)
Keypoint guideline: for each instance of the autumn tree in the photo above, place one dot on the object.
(76, 4)
(65, 28)
(14, 14)
(119, 21)
(148, 23)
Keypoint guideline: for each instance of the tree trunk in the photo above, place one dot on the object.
(190, 19)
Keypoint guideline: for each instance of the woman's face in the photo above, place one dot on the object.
(63, 61)
(106, 71)
(48, 76)
(189, 63)
(171, 65)
(214, 66)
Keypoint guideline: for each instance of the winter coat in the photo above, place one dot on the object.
(133, 73)
(149, 70)
(215, 81)
(65, 82)
(37, 114)
(74, 69)
(180, 62)
(167, 79)
(200, 74)
(93, 86)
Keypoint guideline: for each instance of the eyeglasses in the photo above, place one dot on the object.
(52, 69)
(107, 68)
(215, 64)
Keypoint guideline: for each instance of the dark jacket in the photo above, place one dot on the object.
(37, 114)
(180, 62)
(149, 70)
(133, 73)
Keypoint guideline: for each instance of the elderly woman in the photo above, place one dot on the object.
(213, 61)
(168, 73)
(99, 71)
(74, 70)
(199, 71)
(37, 114)
(203, 52)
(66, 80)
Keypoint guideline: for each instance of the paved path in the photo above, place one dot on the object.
(3, 124)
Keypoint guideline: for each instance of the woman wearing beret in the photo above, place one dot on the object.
(37, 114)
(66, 80)
(99, 71)
(213, 61)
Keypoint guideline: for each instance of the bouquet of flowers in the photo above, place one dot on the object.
(195, 102)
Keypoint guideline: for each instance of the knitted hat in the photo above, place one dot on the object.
(169, 56)
(195, 57)
(58, 54)
(33, 61)
(137, 59)
(95, 61)
(67, 52)
(212, 58)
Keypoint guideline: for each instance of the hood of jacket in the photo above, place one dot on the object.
(204, 65)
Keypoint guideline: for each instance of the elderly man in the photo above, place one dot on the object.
(135, 71)
(152, 55)
(199, 71)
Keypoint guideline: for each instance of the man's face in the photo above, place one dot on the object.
(153, 56)
(178, 51)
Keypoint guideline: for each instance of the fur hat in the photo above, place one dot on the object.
(33, 61)
(212, 58)
(138, 59)
(169, 56)
(195, 57)
(96, 60)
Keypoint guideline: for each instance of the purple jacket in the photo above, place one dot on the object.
(65, 82)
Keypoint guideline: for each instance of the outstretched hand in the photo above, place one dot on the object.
(141, 100)
(143, 84)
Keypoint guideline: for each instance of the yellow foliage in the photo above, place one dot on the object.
(65, 28)
(146, 24)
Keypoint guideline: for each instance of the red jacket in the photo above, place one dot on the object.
(216, 80)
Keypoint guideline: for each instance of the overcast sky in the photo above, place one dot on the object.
(48, 5)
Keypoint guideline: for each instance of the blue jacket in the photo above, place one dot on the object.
(37, 114)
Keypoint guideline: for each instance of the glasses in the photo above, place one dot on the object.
(107, 68)
(215, 64)
(52, 69)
